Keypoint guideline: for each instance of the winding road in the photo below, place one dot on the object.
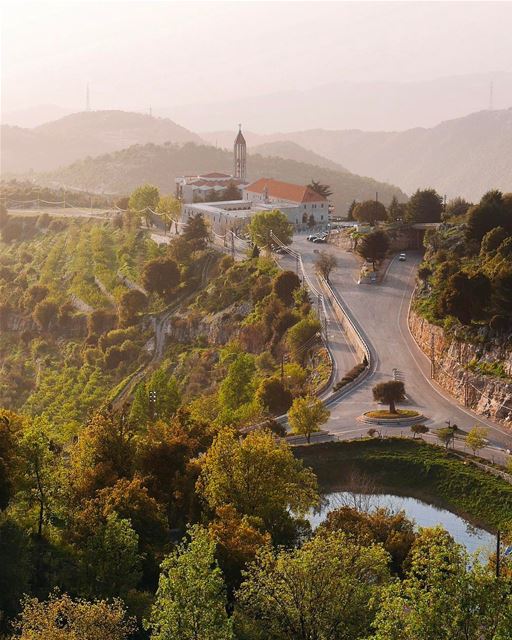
(381, 312)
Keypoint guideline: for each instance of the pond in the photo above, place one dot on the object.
(422, 513)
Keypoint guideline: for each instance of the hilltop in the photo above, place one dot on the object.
(293, 151)
(78, 135)
(122, 171)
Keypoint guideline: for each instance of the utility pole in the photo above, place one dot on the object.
(432, 357)
(233, 244)
(498, 552)
(152, 404)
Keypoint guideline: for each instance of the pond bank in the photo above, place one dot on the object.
(412, 468)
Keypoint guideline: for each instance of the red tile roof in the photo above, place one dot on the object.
(285, 191)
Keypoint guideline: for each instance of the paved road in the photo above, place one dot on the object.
(60, 212)
(381, 312)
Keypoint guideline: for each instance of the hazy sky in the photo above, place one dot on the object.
(169, 53)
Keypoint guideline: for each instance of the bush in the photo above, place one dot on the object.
(350, 376)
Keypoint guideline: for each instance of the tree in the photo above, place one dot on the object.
(110, 561)
(132, 302)
(44, 313)
(236, 388)
(456, 208)
(444, 596)
(446, 435)
(259, 476)
(302, 336)
(374, 246)
(161, 276)
(323, 190)
(39, 481)
(156, 399)
(196, 233)
(383, 526)
(12, 230)
(351, 209)
(231, 192)
(144, 197)
(62, 618)
(418, 429)
(425, 205)
(476, 439)
(273, 396)
(396, 210)
(191, 600)
(4, 216)
(325, 263)
(169, 209)
(307, 415)
(492, 240)
(284, 285)
(389, 393)
(465, 297)
(370, 211)
(265, 223)
(322, 591)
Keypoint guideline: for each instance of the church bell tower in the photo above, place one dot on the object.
(240, 156)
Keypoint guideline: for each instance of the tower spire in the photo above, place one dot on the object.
(240, 156)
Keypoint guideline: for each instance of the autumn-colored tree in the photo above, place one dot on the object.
(45, 313)
(132, 302)
(259, 476)
(62, 618)
(382, 526)
(161, 276)
(103, 453)
(238, 539)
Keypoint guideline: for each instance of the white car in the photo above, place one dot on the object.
(402, 257)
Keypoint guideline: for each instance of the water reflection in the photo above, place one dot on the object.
(422, 513)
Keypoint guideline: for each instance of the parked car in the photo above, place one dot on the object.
(320, 240)
(311, 238)
(402, 257)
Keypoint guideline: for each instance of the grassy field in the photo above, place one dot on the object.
(417, 469)
(384, 413)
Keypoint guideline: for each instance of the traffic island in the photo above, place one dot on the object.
(385, 417)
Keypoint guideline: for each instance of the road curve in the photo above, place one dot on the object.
(381, 311)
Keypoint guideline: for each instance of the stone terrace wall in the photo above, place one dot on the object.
(486, 395)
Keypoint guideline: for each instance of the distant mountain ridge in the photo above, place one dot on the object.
(120, 172)
(78, 135)
(293, 151)
(465, 156)
(341, 105)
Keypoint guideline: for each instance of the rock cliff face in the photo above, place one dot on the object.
(218, 328)
(487, 395)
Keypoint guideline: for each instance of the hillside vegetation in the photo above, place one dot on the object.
(78, 135)
(122, 171)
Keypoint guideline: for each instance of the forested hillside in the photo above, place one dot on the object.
(122, 171)
(83, 134)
